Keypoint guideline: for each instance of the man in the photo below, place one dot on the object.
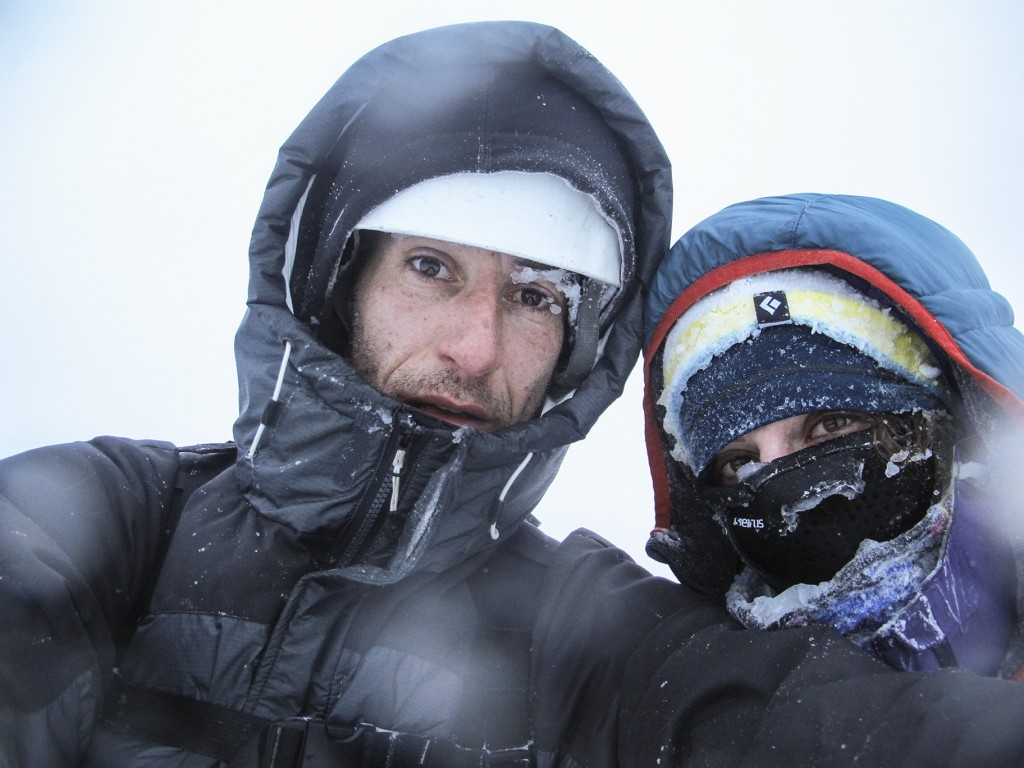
(445, 292)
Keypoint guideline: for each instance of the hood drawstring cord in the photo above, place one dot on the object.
(273, 409)
(500, 501)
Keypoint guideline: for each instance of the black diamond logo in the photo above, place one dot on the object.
(771, 308)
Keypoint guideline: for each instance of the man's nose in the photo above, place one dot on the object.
(471, 333)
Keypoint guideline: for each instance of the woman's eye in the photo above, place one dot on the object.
(835, 424)
(428, 266)
(727, 469)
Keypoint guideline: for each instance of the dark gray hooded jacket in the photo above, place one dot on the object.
(253, 604)
(412, 607)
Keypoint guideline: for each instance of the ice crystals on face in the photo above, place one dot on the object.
(565, 282)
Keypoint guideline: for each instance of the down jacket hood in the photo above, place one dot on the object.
(314, 439)
(919, 266)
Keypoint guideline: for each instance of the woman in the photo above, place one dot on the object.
(832, 392)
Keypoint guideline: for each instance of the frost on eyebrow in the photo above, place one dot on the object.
(566, 282)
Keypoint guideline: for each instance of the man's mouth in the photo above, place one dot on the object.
(454, 412)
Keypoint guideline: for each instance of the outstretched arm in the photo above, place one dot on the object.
(634, 670)
(725, 695)
(80, 527)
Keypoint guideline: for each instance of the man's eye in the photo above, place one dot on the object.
(534, 298)
(428, 266)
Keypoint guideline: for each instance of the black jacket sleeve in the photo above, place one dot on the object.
(657, 675)
(80, 526)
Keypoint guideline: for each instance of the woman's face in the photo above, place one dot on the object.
(781, 438)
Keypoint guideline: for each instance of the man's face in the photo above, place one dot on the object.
(463, 334)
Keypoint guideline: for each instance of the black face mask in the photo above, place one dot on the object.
(800, 518)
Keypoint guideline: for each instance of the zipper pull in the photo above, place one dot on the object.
(396, 471)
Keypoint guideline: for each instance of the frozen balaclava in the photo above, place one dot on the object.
(786, 343)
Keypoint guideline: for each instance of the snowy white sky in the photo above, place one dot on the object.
(137, 138)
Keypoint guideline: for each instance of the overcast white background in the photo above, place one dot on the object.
(137, 137)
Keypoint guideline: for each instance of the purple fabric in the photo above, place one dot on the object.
(966, 611)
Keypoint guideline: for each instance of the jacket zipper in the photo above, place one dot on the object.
(396, 473)
(370, 517)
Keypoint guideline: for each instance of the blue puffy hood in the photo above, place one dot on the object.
(914, 263)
